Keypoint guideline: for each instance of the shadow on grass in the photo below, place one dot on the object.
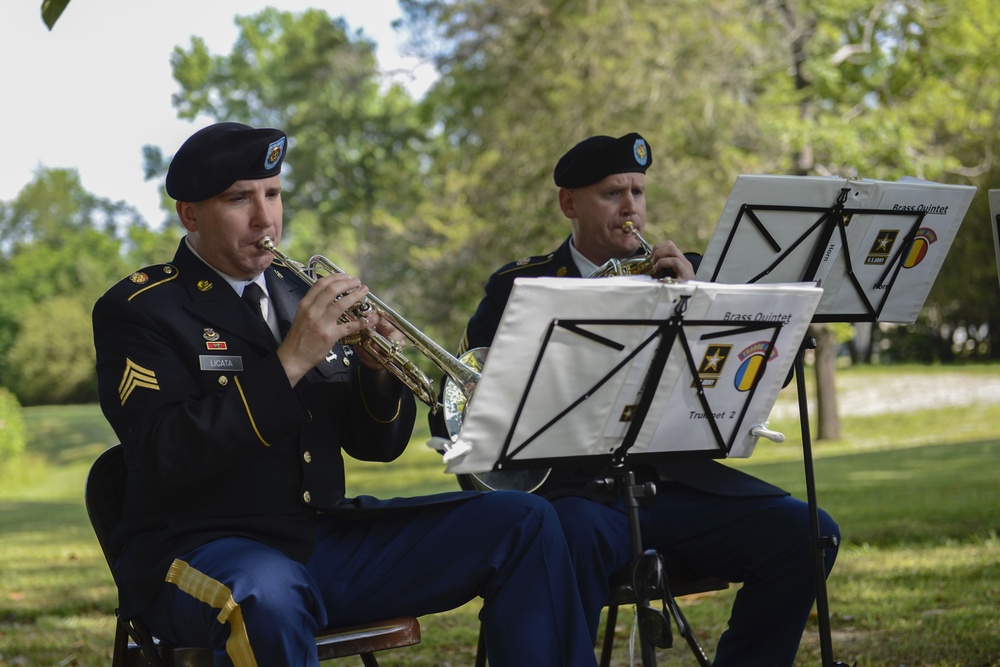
(67, 433)
(918, 495)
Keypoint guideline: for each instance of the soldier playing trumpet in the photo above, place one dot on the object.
(710, 517)
(234, 416)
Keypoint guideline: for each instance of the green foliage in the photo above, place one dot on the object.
(59, 251)
(50, 367)
(52, 10)
(720, 88)
(351, 156)
(12, 436)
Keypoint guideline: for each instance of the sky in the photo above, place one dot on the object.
(90, 93)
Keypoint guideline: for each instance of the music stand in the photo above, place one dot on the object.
(995, 217)
(818, 228)
(668, 369)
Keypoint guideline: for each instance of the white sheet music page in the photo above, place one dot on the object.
(771, 228)
(513, 392)
(571, 356)
(895, 276)
(734, 363)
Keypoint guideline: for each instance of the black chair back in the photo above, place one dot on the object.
(104, 495)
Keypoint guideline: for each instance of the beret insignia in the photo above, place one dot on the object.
(274, 152)
(640, 152)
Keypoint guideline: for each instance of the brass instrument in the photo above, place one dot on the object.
(632, 266)
(389, 352)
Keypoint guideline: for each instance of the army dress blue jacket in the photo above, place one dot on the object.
(216, 441)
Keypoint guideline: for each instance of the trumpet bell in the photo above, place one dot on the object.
(454, 402)
(454, 399)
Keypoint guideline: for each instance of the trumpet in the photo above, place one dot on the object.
(386, 351)
(633, 266)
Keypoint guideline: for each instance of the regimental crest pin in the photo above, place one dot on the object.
(212, 341)
(641, 152)
(274, 152)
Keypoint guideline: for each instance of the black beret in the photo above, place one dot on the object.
(597, 157)
(215, 157)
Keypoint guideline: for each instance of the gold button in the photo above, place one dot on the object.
(306, 496)
(347, 362)
(307, 457)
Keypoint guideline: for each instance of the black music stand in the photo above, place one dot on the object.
(660, 352)
(995, 216)
(817, 246)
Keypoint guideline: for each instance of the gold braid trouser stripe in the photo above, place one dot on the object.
(218, 596)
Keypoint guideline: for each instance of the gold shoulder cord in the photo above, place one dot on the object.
(399, 403)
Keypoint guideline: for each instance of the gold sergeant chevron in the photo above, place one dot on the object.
(135, 376)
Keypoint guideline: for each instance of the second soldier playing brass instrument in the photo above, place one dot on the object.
(388, 352)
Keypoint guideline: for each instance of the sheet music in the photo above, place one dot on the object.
(995, 220)
(553, 389)
(731, 366)
(881, 251)
(772, 230)
(765, 226)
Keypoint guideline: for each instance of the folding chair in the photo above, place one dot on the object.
(683, 581)
(134, 645)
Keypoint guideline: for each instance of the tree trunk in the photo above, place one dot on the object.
(828, 417)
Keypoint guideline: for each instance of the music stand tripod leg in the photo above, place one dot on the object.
(819, 543)
(624, 480)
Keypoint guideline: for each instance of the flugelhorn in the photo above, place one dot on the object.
(388, 352)
(638, 264)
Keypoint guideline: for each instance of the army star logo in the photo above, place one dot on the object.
(135, 376)
(712, 364)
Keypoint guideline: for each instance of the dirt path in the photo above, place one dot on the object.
(904, 392)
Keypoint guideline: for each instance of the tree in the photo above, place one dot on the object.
(12, 435)
(51, 368)
(353, 161)
(359, 184)
(849, 88)
(59, 251)
(523, 81)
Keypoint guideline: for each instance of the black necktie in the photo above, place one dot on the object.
(251, 295)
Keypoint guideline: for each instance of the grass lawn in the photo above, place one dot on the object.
(917, 582)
